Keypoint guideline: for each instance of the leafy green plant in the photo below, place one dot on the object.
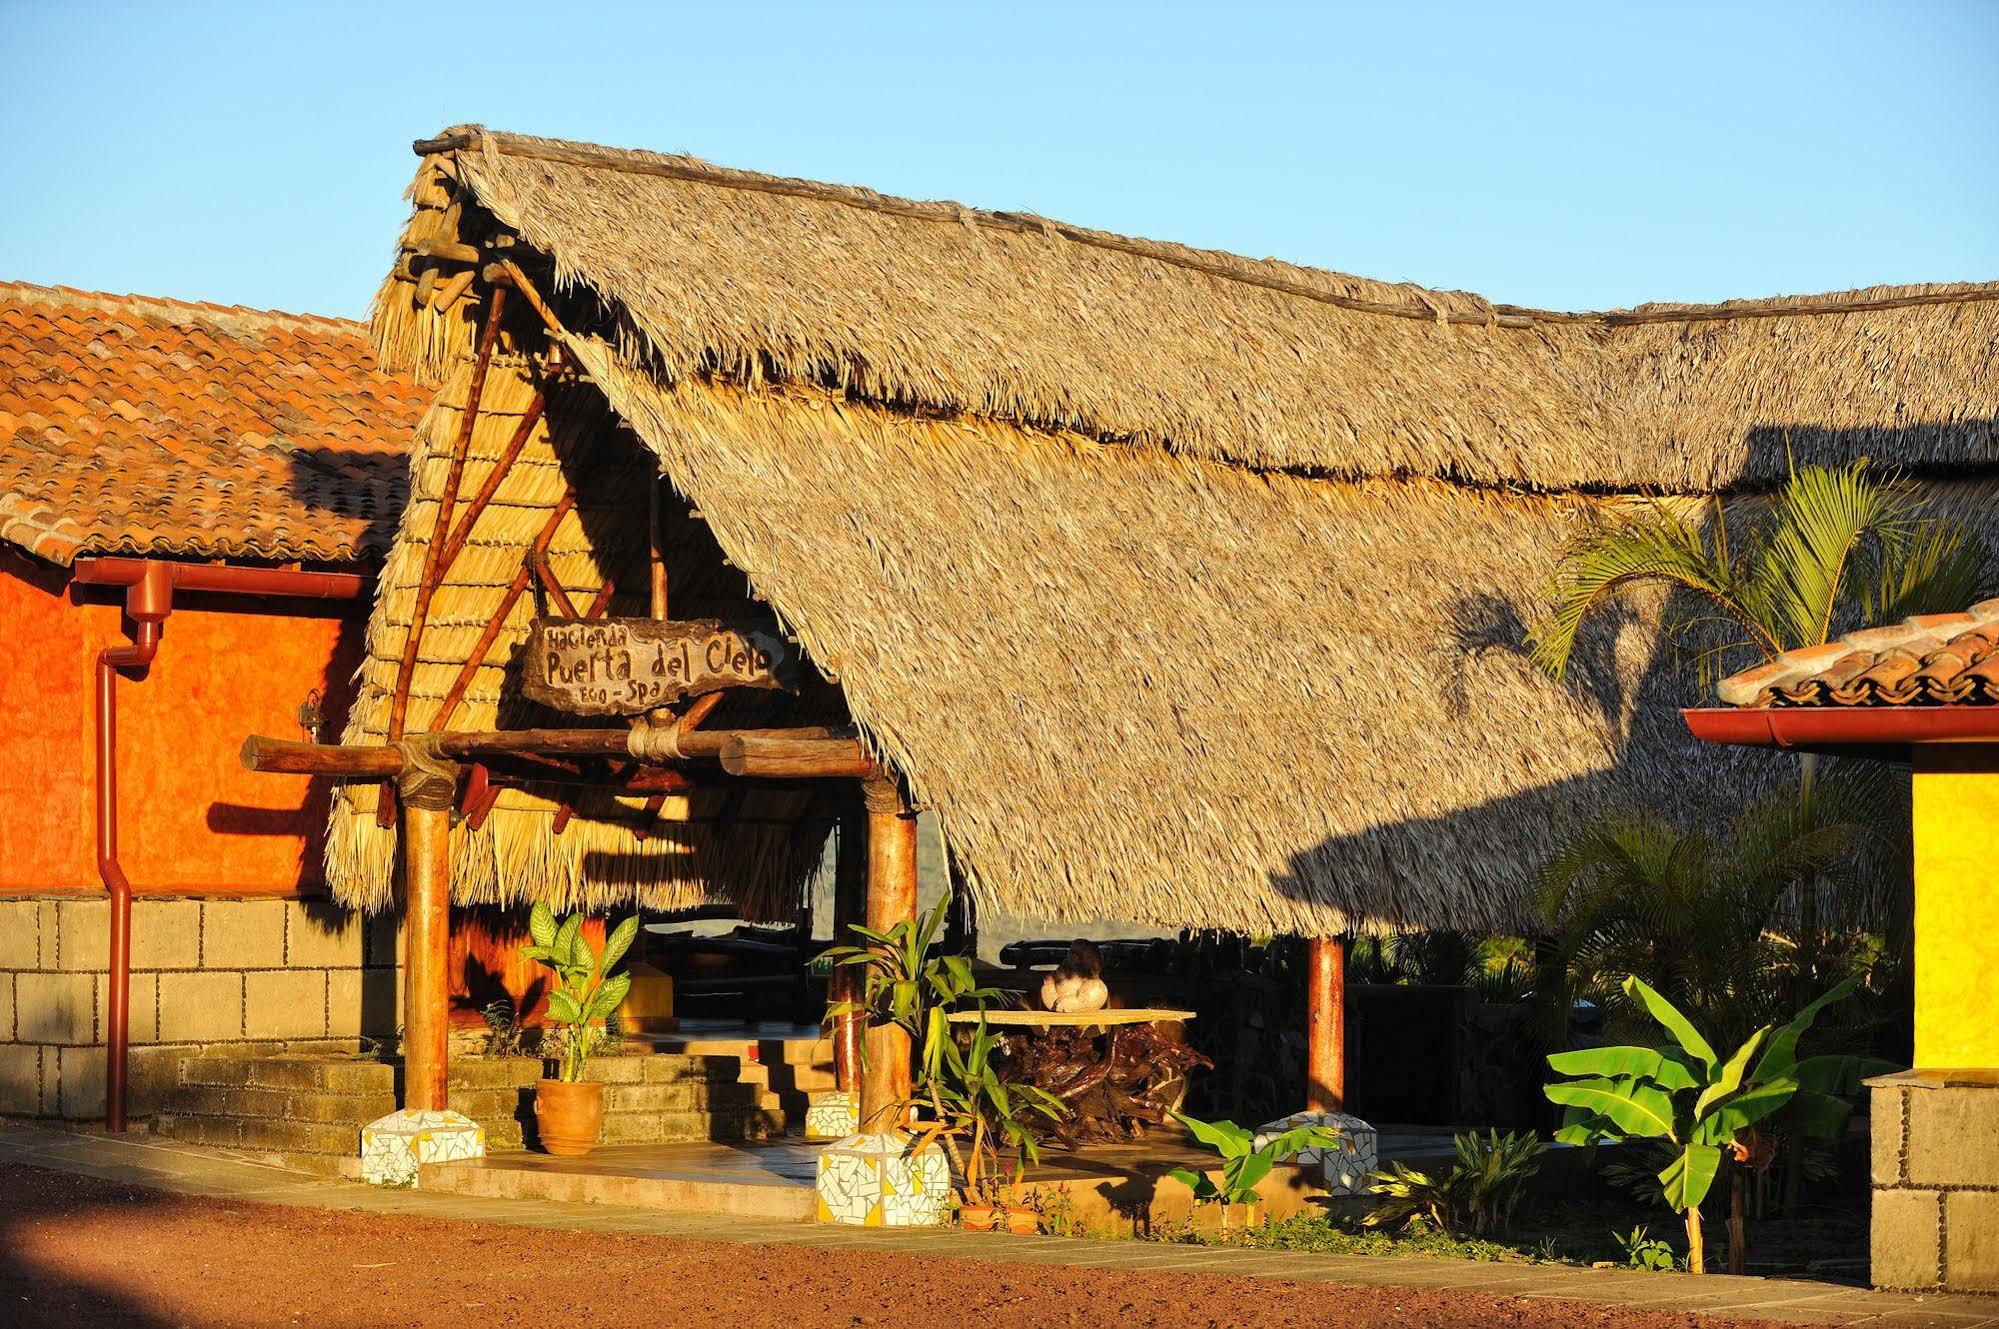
(970, 1102)
(1644, 1251)
(958, 1083)
(1480, 1192)
(1700, 918)
(1495, 1171)
(586, 993)
(905, 985)
(1701, 1103)
(505, 1036)
(1411, 1193)
(1838, 545)
(1057, 1208)
(1244, 1163)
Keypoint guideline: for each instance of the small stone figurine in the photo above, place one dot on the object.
(1077, 983)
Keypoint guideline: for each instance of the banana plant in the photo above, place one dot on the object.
(586, 992)
(1244, 1165)
(1703, 1104)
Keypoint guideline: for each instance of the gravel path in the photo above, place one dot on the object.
(79, 1252)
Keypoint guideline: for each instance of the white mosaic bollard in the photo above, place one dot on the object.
(1346, 1162)
(874, 1181)
(395, 1146)
(833, 1115)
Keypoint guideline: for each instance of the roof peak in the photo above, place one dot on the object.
(1408, 299)
(200, 310)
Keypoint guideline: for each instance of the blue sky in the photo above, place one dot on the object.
(1570, 156)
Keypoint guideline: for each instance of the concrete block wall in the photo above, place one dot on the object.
(1935, 1139)
(238, 973)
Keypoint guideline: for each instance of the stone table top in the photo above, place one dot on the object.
(1072, 1019)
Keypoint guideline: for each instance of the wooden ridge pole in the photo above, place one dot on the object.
(1223, 267)
(290, 757)
(785, 756)
(891, 900)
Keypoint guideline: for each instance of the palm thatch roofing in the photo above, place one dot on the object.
(1186, 588)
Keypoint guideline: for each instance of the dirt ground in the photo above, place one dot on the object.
(78, 1252)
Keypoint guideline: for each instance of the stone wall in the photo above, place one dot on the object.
(1935, 1137)
(269, 974)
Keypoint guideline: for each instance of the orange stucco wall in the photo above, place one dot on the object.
(192, 820)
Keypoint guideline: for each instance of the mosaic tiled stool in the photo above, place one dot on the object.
(873, 1181)
(833, 1115)
(395, 1146)
(1346, 1162)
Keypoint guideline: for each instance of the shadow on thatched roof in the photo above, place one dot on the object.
(1187, 588)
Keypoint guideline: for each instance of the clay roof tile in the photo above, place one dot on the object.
(133, 423)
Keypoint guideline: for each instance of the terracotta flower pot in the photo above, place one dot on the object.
(978, 1217)
(569, 1117)
(1022, 1221)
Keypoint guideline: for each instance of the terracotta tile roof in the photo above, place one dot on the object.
(1929, 660)
(146, 426)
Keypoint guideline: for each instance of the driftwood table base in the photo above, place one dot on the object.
(1116, 1080)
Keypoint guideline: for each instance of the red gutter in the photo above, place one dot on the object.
(1835, 727)
(149, 593)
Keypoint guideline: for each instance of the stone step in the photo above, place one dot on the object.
(650, 1068)
(671, 1095)
(678, 1127)
(335, 1074)
(279, 1104)
(608, 1180)
(263, 1134)
(309, 1111)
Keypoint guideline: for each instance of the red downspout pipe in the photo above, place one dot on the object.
(149, 593)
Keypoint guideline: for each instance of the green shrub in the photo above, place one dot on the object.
(1479, 1194)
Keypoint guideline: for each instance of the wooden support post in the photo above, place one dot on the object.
(656, 555)
(850, 895)
(885, 1076)
(426, 924)
(1326, 1025)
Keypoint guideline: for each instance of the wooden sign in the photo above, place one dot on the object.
(627, 666)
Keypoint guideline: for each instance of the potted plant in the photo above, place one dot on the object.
(569, 1110)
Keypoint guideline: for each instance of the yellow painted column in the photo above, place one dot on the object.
(1955, 792)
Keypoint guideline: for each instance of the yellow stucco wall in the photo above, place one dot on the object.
(1956, 808)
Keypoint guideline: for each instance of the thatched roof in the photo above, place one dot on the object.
(1188, 588)
(610, 848)
(1256, 362)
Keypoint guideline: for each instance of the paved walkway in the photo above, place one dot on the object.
(141, 1160)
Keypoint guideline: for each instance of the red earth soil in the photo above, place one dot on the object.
(80, 1252)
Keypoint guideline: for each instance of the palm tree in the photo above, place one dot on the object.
(1696, 915)
(1838, 547)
